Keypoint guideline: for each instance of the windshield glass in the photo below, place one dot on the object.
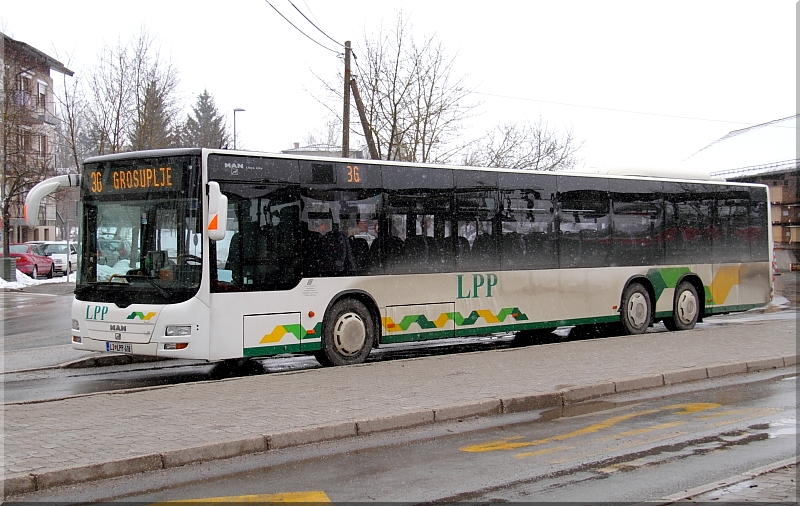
(141, 231)
(55, 248)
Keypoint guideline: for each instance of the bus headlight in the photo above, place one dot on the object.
(75, 324)
(178, 330)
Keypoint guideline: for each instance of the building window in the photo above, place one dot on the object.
(25, 91)
(42, 96)
(43, 145)
(23, 142)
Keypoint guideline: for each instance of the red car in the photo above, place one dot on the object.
(31, 259)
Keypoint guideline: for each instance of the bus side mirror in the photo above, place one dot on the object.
(217, 212)
(31, 209)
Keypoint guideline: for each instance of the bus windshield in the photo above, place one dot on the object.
(141, 231)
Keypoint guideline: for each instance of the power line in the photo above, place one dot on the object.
(623, 110)
(315, 26)
(301, 31)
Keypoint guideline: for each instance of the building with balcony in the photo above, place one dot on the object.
(29, 127)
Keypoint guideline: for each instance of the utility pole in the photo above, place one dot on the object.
(373, 152)
(346, 112)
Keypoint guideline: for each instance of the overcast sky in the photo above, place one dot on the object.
(641, 83)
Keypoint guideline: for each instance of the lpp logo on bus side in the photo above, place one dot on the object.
(478, 281)
(96, 313)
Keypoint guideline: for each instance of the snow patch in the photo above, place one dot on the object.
(23, 280)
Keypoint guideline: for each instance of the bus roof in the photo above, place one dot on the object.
(602, 172)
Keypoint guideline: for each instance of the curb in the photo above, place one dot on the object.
(702, 489)
(307, 435)
(110, 359)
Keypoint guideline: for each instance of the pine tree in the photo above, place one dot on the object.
(205, 128)
(154, 127)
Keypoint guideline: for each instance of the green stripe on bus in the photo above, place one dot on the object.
(664, 278)
(416, 336)
(262, 351)
(482, 331)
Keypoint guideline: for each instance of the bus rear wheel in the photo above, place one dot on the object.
(685, 310)
(636, 309)
(348, 333)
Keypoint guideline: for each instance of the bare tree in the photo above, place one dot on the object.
(328, 134)
(132, 100)
(72, 113)
(109, 111)
(531, 145)
(155, 123)
(413, 103)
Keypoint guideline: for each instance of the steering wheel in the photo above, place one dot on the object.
(120, 276)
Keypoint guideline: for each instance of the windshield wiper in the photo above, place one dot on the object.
(150, 280)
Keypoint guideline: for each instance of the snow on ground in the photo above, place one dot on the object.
(24, 280)
(104, 273)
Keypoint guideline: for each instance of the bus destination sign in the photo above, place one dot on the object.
(132, 180)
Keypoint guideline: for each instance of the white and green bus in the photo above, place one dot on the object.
(217, 254)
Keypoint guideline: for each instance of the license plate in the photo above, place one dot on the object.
(119, 347)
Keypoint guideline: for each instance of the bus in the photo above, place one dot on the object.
(229, 255)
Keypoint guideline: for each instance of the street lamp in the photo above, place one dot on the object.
(238, 109)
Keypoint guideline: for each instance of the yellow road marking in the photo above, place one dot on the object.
(740, 411)
(543, 451)
(504, 444)
(636, 432)
(604, 451)
(317, 496)
(692, 407)
(755, 412)
(511, 444)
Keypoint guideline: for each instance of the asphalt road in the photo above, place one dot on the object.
(627, 447)
(36, 317)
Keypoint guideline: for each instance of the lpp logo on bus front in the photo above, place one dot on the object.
(96, 312)
(480, 283)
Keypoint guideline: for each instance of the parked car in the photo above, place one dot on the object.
(57, 250)
(31, 259)
(111, 251)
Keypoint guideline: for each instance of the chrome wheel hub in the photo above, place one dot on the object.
(349, 334)
(637, 310)
(686, 307)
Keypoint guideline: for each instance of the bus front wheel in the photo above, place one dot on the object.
(347, 335)
(636, 309)
(686, 308)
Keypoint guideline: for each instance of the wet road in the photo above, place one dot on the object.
(37, 317)
(49, 384)
(55, 383)
(632, 447)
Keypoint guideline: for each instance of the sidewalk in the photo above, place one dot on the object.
(48, 444)
(65, 356)
(777, 484)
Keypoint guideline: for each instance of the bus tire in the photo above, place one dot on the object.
(686, 308)
(348, 333)
(637, 311)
